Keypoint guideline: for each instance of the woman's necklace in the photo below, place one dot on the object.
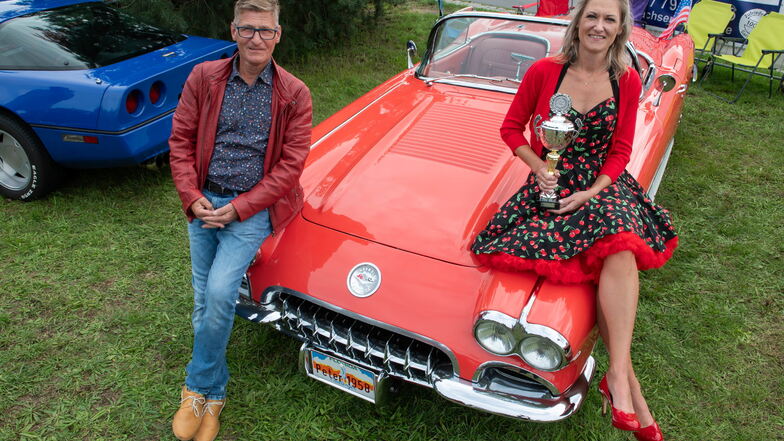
(588, 78)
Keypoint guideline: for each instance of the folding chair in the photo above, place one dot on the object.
(708, 19)
(764, 46)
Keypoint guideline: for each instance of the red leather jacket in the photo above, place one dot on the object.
(193, 138)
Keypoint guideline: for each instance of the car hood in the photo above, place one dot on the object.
(420, 169)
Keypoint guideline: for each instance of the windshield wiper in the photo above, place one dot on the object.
(430, 81)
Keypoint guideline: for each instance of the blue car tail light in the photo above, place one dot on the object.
(133, 101)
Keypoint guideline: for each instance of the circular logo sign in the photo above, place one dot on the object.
(364, 279)
(749, 20)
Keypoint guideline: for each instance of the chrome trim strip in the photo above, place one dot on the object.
(351, 118)
(659, 175)
(650, 74)
(467, 84)
(545, 331)
(105, 132)
(266, 295)
(541, 410)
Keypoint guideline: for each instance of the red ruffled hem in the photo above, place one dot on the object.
(586, 266)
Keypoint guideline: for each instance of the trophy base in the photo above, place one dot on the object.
(549, 204)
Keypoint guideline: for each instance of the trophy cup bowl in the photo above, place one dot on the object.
(555, 134)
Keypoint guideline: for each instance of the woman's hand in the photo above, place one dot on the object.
(573, 202)
(546, 181)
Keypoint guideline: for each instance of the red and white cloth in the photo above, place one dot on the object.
(681, 16)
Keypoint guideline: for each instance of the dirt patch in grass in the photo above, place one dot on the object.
(108, 397)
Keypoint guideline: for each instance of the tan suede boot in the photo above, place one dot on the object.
(210, 425)
(188, 418)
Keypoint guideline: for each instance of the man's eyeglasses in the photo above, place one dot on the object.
(248, 32)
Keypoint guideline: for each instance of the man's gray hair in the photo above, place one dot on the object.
(257, 6)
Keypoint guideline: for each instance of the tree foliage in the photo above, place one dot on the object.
(307, 24)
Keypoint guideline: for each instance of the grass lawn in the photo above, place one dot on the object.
(95, 298)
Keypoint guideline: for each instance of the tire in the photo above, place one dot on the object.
(27, 172)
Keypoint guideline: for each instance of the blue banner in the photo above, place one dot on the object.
(747, 14)
(659, 12)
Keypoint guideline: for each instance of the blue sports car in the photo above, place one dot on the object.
(84, 85)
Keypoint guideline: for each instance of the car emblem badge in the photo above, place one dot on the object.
(364, 279)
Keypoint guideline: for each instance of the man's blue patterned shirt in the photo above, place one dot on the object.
(243, 131)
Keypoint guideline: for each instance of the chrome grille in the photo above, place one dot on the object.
(360, 342)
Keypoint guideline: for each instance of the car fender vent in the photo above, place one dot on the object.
(456, 135)
(510, 381)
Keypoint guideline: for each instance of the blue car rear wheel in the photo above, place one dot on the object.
(27, 171)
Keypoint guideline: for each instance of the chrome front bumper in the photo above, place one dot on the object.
(519, 404)
(396, 353)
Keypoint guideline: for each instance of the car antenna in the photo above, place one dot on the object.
(440, 8)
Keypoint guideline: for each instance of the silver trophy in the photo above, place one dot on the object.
(555, 133)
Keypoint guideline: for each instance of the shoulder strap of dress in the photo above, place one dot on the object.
(561, 76)
(616, 89)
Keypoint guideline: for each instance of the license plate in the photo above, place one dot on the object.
(343, 375)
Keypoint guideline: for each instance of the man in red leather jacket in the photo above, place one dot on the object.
(240, 136)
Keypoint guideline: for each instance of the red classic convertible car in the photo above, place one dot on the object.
(376, 275)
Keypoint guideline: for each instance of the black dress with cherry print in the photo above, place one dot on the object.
(570, 248)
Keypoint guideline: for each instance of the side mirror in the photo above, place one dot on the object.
(411, 52)
(664, 83)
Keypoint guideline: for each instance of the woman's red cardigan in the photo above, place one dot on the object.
(533, 98)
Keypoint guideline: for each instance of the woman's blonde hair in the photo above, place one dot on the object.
(617, 58)
(257, 6)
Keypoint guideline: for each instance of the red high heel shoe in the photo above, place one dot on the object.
(649, 433)
(620, 419)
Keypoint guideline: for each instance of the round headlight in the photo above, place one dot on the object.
(495, 337)
(541, 353)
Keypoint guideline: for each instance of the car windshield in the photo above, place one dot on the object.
(82, 36)
(486, 50)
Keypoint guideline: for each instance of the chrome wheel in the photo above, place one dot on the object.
(27, 172)
(15, 169)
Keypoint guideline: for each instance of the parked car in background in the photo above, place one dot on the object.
(84, 85)
(376, 275)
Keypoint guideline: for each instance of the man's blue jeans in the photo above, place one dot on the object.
(219, 259)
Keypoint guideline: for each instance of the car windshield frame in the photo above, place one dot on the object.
(505, 79)
(77, 37)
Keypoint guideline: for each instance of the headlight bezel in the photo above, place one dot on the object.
(540, 340)
(503, 321)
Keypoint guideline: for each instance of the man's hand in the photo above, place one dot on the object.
(221, 217)
(202, 207)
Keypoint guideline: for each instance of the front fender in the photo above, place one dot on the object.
(566, 314)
